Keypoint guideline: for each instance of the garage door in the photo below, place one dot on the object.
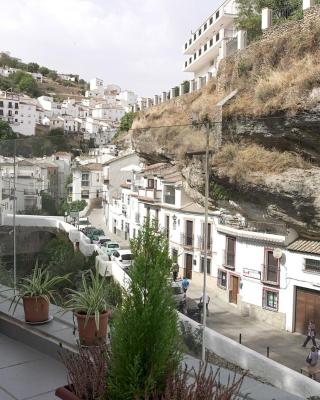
(307, 308)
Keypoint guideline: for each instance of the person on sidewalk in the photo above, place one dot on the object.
(185, 284)
(200, 305)
(311, 335)
(175, 272)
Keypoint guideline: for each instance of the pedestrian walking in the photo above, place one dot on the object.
(185, 284)
(313, 357)
(311, 334)
(175, 272)
(200, 305)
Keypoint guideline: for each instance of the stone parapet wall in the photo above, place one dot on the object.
(311, 17)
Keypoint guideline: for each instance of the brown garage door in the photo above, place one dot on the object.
(307, 308)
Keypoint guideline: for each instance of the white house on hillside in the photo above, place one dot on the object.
(87, 182)
(212, 41)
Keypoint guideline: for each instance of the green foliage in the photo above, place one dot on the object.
(126, 121)
(21, 81)
(77, 205)
(91, 298)
(53, 75)
(33, 67)
(249, 17)
(145, 338)
(44, 71)
(6, 132)
(39, 284)
(186, 86)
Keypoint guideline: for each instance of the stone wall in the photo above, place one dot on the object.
(311, 17)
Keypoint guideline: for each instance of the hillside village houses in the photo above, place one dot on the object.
(264, 270)
(96, 117)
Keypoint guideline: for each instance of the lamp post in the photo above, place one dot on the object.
(207, 126)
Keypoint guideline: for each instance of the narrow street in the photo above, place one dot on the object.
(285, 347)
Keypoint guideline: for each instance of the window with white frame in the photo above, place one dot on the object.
(85, 179)
(222, 279)
(270, 299)
(311, 265)
(84, 194)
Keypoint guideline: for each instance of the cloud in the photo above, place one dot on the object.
(134, 43)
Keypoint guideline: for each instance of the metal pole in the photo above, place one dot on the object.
(204, 305)
(14, 222)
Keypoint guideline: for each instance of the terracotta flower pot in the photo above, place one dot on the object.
(89, 335)
(36, 309)
(65, 393)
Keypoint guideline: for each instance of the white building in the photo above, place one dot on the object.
(87, 183)
(261, 268)
(212, 41)
(108, 112)
(19, 111)
(63, 161)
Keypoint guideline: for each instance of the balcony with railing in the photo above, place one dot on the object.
(187, 240)
(149, 194)
(270, 274)
(223, 16)
(137, 218)
(201, 244)
(229, 259)
(208, 50)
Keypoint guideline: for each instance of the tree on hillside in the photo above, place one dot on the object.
(6, 132)
(53, 75)
(33, 67)
(145, 338)
(44, 71)
(126, 121)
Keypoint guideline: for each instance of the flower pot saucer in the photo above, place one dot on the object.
(40, 323)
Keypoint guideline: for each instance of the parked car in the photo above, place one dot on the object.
(179, 296)
(95, 232)
(100, 240)
(110, 247)
(123, 258)
(83, 223)
(88, 230)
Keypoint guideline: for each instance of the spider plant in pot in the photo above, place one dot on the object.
(36, 293)
(90, 307)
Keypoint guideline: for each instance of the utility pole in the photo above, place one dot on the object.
(206, 217)
(14, 220)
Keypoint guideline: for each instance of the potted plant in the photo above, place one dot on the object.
(36, 293)
(89, 304)
(87, 373)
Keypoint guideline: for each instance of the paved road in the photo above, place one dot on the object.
(285, 347)
(97, 219)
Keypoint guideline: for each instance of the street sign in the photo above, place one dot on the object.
(251, 273)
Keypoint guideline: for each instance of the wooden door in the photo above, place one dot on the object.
(234, 288)
(188, 265)
(307, 308)
(189, 233)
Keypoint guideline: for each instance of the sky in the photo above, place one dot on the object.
(136, 44)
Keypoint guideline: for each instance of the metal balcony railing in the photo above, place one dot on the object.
(270, 274)
(187, 240)
(201, 244)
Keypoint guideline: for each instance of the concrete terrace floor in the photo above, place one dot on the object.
(27, 374)
(285, 347)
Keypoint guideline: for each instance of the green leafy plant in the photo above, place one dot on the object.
(145, 336)
(91, 298)
(39, 284)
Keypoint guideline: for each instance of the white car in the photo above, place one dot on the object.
(123, 258)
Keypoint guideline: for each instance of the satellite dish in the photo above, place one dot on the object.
(277, 253)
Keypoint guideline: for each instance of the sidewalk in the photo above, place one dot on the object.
(224, 318)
